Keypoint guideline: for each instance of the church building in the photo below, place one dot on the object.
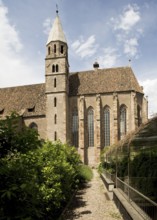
(88, 109)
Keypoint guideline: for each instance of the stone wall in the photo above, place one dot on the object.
(114, 101)
(41, 124)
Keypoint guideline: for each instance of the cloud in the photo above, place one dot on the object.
(14, 67)
(130, 47)
(128, 31)
(47, 26)
(9, 37)
(128, 19)
(150, 86)
(109, 57)
(85, 48)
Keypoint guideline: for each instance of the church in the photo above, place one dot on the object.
(88, 109)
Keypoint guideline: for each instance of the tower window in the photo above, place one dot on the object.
(122, 121)
(55, 102)
(54, 48)
(62, 49)
(75, 128)
(57, 68)
(55, 119)
(55, 82)
(91, 127)
(107, 126)
(55, 136)
(53, 68)
(49, 50)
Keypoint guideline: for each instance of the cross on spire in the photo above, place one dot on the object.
(57, 9)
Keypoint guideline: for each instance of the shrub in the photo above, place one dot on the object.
(36, 179)
(85, 173)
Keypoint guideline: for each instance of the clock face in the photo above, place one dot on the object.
(48, 65)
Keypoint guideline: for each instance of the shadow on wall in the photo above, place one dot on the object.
(74, 83)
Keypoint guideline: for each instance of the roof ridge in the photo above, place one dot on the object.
(20, 86)
(101, 69)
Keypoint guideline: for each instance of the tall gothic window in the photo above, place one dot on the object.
(75, 128)
(107, 126)
(122, 121)
(90, 127)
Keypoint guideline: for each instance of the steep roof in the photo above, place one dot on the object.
(56, 32)
(103, 81)
(25, 100)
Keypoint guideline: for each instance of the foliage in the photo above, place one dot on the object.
(85, 173)
(15, 138)
(36, 179)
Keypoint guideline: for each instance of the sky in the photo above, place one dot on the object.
(109, 32)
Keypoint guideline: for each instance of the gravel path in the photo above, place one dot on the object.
(92, 203)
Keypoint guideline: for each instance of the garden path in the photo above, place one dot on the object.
(92, 203)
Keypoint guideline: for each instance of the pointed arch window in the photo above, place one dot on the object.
(107, 126)
(55, 102)
(54, 48)
(34, 126)
(53, 68)
(90, 127)
(55, 82)
(122, 121)
(75, 128)
(57, 68)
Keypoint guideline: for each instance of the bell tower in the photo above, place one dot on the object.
(56, 74)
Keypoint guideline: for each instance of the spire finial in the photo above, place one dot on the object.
(130, 62)
(57, 9)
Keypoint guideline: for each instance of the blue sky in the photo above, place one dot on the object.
(111, 32)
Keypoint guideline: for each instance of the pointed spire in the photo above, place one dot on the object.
(56, 32)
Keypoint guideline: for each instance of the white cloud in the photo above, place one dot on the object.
(9, 38)
(85, 48)
(150, 90)
(75, 45)
(128, 19)
(128, 31)
(14, 67)
(47, 26)
(130, 47)
(109, 57)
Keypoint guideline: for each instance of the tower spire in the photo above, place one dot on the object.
(56, 33)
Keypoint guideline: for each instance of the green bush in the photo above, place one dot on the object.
(36, 179)
(85, 173)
